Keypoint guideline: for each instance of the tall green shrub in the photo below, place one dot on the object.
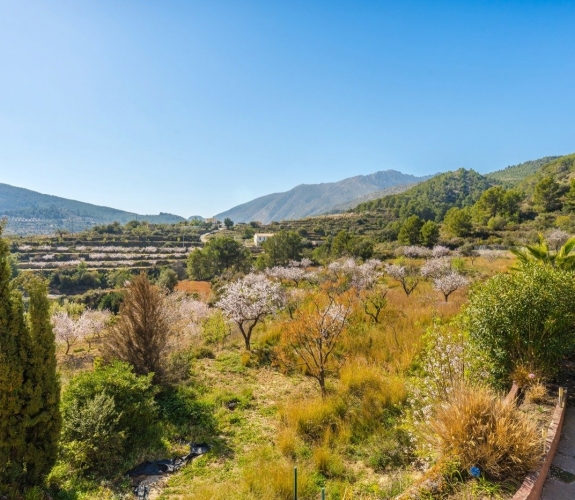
(110, 416)
(12, 360)
(525, 318)
(42, 388)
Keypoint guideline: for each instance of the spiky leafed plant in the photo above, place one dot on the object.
(564, 258)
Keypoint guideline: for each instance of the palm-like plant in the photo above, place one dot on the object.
(540, 253)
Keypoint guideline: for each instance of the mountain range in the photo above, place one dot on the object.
(29, 212)
(315, 199)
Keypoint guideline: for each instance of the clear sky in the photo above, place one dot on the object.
(192, 107)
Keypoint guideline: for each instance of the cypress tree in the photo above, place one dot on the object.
(29, 387)
(13, 337)
(42, 388)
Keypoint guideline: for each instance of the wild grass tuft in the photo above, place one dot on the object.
(478, 429)
(536, 394)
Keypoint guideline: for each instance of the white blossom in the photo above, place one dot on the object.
(65, 329)
(91, 323)
(435, 268)
(416, 252)
(248, 300)
(290, 273)
(491, 255)
(448, 283)
(440, 251)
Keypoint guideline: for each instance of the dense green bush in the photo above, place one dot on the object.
(525, 318)
(110, 416)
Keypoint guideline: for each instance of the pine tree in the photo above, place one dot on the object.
(43, 420)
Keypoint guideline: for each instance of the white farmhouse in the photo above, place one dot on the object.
(259, 238)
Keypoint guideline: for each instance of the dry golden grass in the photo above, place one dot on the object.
(315, 420)
(270, 477)
(536, 394)
(478, 429)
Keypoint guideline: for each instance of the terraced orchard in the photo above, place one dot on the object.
(102, 258)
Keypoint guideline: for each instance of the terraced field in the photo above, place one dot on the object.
(106, 252)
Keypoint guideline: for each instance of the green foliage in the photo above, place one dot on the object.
(429, 234)
(458, 221)
(111, 301)
(185, 415)
(42, 387)
(431, 199)
(514, 174)
(229, 223)
(540, 253)
(13, 346)
(118, 277)
(497, 223)
(348, 245)
(546, 194)
(497, 202)
(215, 328)
(168, 279)
(248, 232)
(92, 438)
(29, 387)
(570, 197)
(109, 416)
(409, 233)
(219, 255)
(282, 247)
(524, 318)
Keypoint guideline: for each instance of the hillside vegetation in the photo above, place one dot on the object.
(514, 174)
(345, 345)
(434, 197)
(29, 212)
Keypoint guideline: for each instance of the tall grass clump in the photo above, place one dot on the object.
(270, 477)
(477, 428)
(315, 420)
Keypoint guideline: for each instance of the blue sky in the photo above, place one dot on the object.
(193, 107)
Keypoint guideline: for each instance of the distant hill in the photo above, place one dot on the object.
(514, 174)
(434, 197)
(314, 199)
(562, 169)
(29, 212)
(371, 196)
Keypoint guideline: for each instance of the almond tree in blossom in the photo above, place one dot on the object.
(249, 300)
(65, 329)
(440, 251)
(283, 273)
(408, 276)
(91, 323)
(448, 283)
(415, 252)
(185, 313)
(435, 268)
